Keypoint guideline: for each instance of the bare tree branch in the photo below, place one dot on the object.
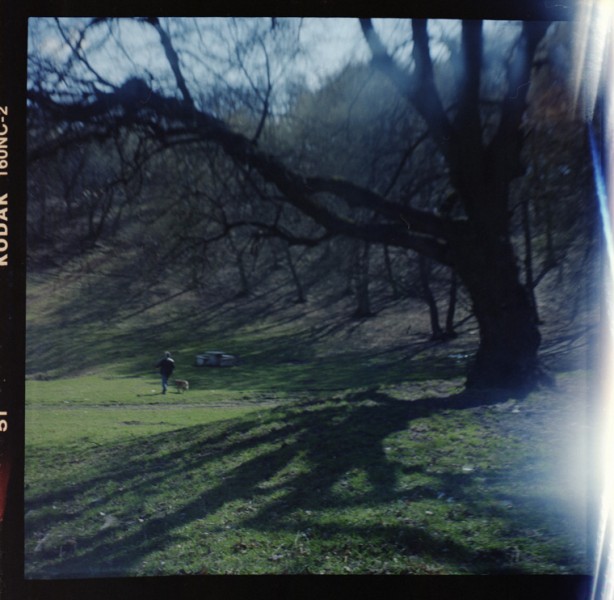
(173, 59)
(508, 138)
(123, 108)
(417, 86)
(421, 221)
(76, 49)
(468, 120)
(406, 156)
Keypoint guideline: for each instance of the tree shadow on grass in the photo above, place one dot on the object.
(167, 482)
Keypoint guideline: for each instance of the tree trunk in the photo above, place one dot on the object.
(390, 274)
(450, 333)
(300, 294)
(509, 335)
(363, 300)
(528, 253)
(243, 279)
(243, 276)
(427, 294)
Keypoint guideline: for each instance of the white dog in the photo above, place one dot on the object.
(182, 385)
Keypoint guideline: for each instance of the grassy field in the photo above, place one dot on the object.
(318, 453)
(121, 480)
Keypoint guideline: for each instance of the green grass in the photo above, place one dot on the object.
(370, 481)
(285, 356)
(309, 457)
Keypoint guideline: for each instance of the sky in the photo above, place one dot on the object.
(328, 44)
(222, 55)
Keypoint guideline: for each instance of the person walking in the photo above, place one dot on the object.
(166, 367)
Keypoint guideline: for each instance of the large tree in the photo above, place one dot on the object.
(478, 140)
(481, 170)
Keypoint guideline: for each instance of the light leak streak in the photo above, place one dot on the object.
(593, 84)
(603, 581)
(602, 199)
(592, 41)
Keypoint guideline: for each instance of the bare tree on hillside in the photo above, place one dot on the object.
(481, 157)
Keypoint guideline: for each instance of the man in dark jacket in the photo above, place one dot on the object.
(166, 366)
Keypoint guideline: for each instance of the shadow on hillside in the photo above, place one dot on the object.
(331, 439)
(98, 326)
